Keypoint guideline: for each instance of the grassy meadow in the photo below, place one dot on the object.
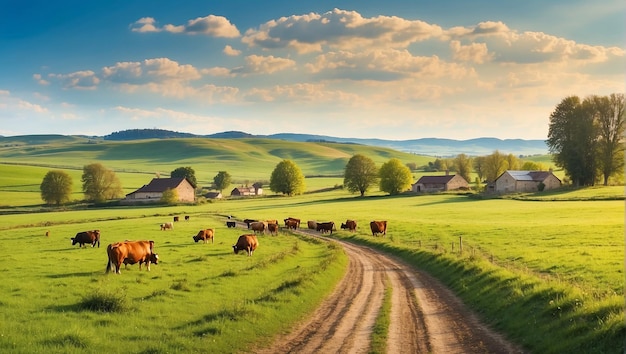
(545, 269)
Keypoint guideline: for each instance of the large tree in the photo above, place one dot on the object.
(394, 177)
(100, 183)
(463, 165)
(222, 180)
(494, 165)
(610, 122)
(572, 139)
(287, 179)
(185, 172)
(360, 174)
(56, 187)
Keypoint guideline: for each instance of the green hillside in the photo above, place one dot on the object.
(247, 160)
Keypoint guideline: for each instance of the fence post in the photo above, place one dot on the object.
(460, 244)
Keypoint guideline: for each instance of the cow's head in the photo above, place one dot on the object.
(235, 249)
(74, 241)
(196, 238)
(154, 258)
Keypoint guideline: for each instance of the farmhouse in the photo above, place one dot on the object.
(525, 181)
(153, 191)
(439, 183)
(246, 191)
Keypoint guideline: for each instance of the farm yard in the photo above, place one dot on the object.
(546, 270)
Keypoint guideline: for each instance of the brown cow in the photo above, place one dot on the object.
(204, 235)
(324, 227)
(249, 221)
(247, 243)
(257, 226)
(350, 225)
(312, 225)
(84, 237)
(167, 226)
(379, 227)
(291, 221)
(130, 252)
(273, 229)
(291, 224)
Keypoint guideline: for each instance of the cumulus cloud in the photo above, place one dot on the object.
(230, 51)
(150, 70)
(80, 80)
(339, 29)
(473, 52)
(256, 64)
(214, 26)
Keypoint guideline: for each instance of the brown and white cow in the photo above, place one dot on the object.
(167, 226)
(258, 226)
(324, 227)
(350, 225)
(378, 227)
(247, 243)
(85, 237)
(204, 235)
(130, 252)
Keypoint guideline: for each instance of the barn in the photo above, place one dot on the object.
(246, 191)
(513, 181)
(153, 191)
(439, 183)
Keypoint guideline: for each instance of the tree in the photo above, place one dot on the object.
(463, 165)
(100, 184)
(394, 177)
(56, 187)
(360, 174)
(169, 196)
(610, 121)
(495, 165)
(479, 166)
(532, 166)
(185, 172)
(572, 139)
(222, 180)
(287, 178)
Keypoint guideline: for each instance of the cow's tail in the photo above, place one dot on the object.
(109, 266)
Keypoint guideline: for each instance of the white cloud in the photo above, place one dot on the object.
(214, 26)
(256, 64)
(144, 25)
(230, 51)
(80, 80)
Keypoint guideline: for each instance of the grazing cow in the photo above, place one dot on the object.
(176, 219)
(186, 217)
(257, 226)
(86, 237)
(48, 233)
(247, 243)
(167, 226)
(350, 225)
(274, 221)
(291, 224)
(273, 229)
(312, 225)
(379, 227)
(297, 222)
(249, 221)
(324, 227)
(130, 252)
(204, 235)
(231, 224)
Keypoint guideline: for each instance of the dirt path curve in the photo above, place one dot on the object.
(425, 316)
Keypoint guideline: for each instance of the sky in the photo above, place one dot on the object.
(396, 70)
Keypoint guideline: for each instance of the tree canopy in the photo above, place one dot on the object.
(185, 172)
(222, 180)
(100, 183)
(287, 178)
(394, 177)
(360, 174)
(56, 187)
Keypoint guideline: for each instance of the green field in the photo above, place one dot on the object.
(546, 269)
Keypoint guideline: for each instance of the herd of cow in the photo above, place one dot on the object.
(142, 252)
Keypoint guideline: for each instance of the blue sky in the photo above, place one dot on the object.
(368, 69)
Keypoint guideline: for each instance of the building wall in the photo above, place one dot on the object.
(552, 182)
(457, 182)
(186, 192)
(505, 184)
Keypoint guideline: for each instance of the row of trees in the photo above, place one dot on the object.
(587, 137)
(99, 184)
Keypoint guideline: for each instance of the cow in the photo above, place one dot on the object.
(167, 226)
(312, 225)
(379, 227)
(291, 224)
(324, 227)
(85, 237)
(48, 233)
(204, 235)
(186, 217)
(231, 224)
(273, 229)
(130, 252)
(297, 222)
(247, 243)
(350, 225)
(176, 219)
(257, 226)
(249, 221)
(273, 221)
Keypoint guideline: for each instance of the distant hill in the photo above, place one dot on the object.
(425, 146)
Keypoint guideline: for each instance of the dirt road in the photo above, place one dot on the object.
(425, 316)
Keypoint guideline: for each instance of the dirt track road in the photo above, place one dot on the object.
(425, 316)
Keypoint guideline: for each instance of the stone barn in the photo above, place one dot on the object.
(513, 181)
(439, 183)
(153, 191)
